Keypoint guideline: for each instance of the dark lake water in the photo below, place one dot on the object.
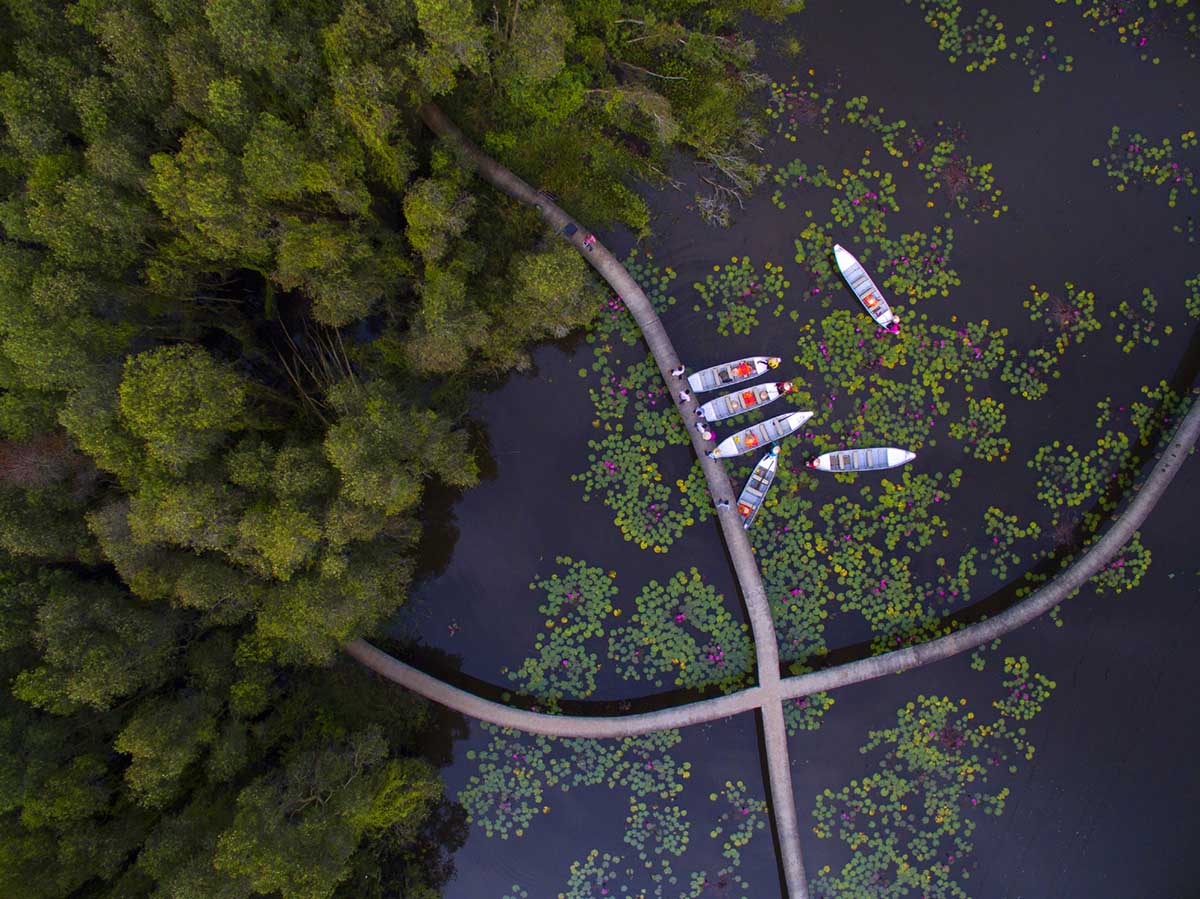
(1110, 804)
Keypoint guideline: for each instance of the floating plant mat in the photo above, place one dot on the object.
(978, 40)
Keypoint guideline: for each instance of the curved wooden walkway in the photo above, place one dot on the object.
(762, 626)
(771, 691)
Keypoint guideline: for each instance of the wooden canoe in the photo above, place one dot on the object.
(730, 373)
(864, 288)
(757, 486)
(867, 459)
(730, 404)
(761, 434)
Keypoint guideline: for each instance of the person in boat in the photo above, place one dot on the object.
(743, 369)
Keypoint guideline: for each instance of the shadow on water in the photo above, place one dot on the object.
(760, 737)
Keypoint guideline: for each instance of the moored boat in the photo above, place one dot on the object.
(731, 372)
(864, 288)
(729, 404)
(757, 486)
(867, 459)
(751, 438)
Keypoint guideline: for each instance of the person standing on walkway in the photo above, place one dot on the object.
(678, 372)
(722, 503)
(684, 396)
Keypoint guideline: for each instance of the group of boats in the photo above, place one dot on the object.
(773, 430)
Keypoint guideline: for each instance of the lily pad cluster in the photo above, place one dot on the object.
(969, 185)
(1135, 323)
(1125, 571)
(683, 634)
(680, 633)
(1133, 161)
(1002, 533)
(614, 324)
(623, 471)
(577, 607)
(516, 773)
(977, 43)
(738, 292)
(795, 107)
(857, 556)
(743, 817)
(1068, 316)
(910, 824)
(939, 151)
(1191, 299)
(1070, 479)
(1038, 53)
(894, 388)
(1138, 23)
(981, 430)
(658, 830)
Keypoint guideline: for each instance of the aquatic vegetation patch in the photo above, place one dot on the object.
(1191, 300)
(1038, 53)
(577, 607)
(742, 818)
(939, 153)
(1135, 323)
(1082, 489)
(911, 823)
(1132, 160)
(794, 106)
(890, 387)
(622, 470)
(981, 430)
(681, 633)
(969, 186)
(1139, 22)
(1069, 479)
(657, 828)
(635, 412)
(977, 44)
(1126, 570)
(515, 773)
(1068, 316)
(916, 265)
(738, 292)
(1001, 533)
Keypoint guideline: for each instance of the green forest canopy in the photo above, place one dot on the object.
(241, 294)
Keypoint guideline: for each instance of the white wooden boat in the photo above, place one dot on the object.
(750, 439)
(864, 288)
(731, 372)
(869, 459)
(757, 486)
(730, 404)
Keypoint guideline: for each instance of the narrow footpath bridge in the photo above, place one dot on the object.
(772, 690)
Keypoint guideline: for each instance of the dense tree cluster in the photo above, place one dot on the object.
(241, 291)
